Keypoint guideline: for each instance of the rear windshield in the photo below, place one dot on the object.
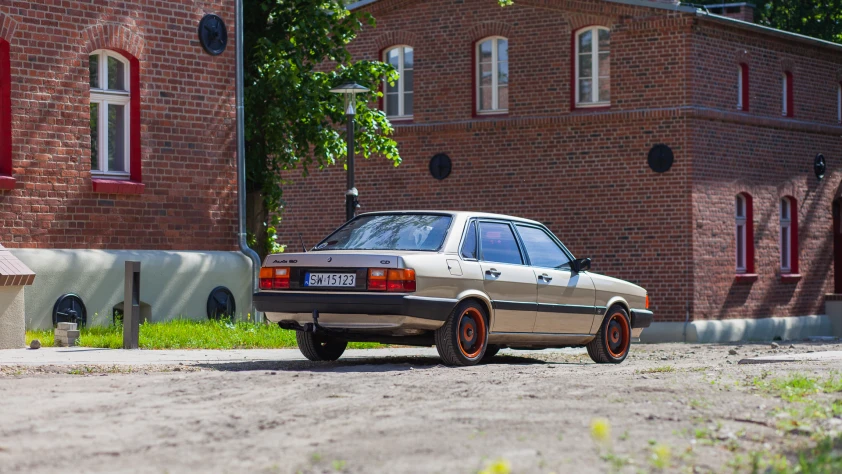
(390, 232)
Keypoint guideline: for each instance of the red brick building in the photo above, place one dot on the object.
(118, 141)
(550, 110)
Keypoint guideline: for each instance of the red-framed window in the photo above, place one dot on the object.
(789, 236)
(7, 181)
(742, 87)
(491, 76)
(786, 95)
(398, 99)
(115, 122)
(744, 234)
(591, 86)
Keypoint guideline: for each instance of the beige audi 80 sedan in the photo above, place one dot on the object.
(469, 283)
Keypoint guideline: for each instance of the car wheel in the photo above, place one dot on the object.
(491, 350)
(319, 347)
(464, 337)
(612, 342)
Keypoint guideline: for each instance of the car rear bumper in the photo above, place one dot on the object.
(355, 309)
(641, 318)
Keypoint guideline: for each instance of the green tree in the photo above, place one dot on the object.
(295, 51)
(819, 19)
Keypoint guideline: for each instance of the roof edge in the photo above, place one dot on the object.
(768, 29)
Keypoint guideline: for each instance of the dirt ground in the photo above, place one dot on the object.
(407, 414)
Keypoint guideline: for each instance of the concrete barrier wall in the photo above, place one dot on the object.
(173, 284)
(12, 326)
(740, 330)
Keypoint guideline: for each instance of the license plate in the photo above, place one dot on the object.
(330, 279)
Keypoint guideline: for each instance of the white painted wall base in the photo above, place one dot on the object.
(12, 320)
(173, 284)
(740, 330)
(834, 312)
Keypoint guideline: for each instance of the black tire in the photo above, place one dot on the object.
(491, 350)
(613, 340)
(469, 347)
(319, 347)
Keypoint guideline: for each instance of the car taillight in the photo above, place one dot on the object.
(647, 300)
(274, 278)
(382, 279)
(377, 279)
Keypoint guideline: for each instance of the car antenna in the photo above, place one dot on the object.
(302, 242)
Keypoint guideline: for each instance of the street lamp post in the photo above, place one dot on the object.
(350, 91)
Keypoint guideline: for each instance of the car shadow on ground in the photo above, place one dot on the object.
(367, 364)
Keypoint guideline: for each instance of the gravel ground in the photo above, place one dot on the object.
(401, 414)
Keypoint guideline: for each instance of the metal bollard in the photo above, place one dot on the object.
(131, 306)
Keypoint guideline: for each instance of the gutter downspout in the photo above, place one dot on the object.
(241, 160)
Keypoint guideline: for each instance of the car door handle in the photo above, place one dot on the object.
(545, 278)
(492, 273)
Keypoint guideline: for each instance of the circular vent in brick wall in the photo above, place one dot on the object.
(660, 158)
(440, 166)
(213, 34)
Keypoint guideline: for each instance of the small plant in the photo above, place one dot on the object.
(338, 465)
(658, 370)
(660, 457)
(601, 431)
(500, 466)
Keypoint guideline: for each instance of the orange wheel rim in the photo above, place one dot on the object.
(617, 335)
(472, 333)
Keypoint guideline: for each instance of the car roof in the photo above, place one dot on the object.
(458, 214)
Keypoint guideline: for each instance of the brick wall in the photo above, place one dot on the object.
(188, 134)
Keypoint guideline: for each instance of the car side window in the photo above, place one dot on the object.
(469, 246)
(498, 243)
(543, 251)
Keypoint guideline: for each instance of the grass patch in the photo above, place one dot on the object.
(797, 386)
(187, 334)
(658, 370)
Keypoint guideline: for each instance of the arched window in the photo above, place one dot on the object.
(492, 59)
(744, 235)
(592, 66)
(398, 100)
(742, 87)
(789, 236)
(7, 181)
(786, 96)
(110, 114)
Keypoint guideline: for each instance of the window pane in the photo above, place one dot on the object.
(392, 89)
(740, 248)
(485, 51)
(116, 75)
(393, 58)
(407, 104)
(585, 90)
(485, 98)
(585, 66)
(469, 245)
(390, 232)
(392, 104)
(95, 137)
(408, 58)
(541, 248)
(784, 209)
(740, 207)
(785, 247)
(604, 65)
(604, 89)
(502, 50)
(116, 138)
(585, 40)
(503, 98)
(93, 65)
(485, 74)
(604, 37)
(503, 73)
(408, 80)
(498, 244)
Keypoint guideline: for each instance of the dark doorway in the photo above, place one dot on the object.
(837, 245)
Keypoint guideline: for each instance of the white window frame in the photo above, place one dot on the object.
(739, 87)
(103, 98)
(594, 66)
(784, 90)
(495, 76)
(786, 233)
(741, 221)
(400, 82)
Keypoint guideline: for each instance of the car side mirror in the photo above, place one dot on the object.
(581, 265)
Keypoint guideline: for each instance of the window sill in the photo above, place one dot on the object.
(7, 183)
(790, 277)
(402, 119)
(491, 115)
(746, 277)
(589, 107)
(117, 186)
